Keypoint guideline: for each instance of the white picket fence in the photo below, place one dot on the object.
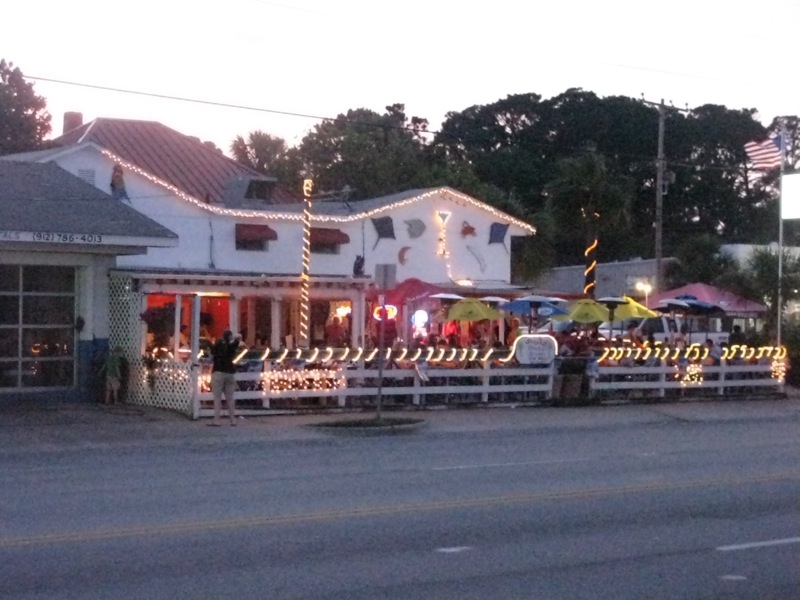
(488, 384)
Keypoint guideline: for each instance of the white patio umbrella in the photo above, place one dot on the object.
(446, 296)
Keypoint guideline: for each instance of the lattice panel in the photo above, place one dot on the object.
(168, 385)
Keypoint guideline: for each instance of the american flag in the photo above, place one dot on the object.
(767, 154)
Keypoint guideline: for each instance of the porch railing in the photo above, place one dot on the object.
(353, 387)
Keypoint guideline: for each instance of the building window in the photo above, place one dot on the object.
(260, 189)
(37, 331)
(254, 236)
(324, 248)
(253, 245)
(327, 241)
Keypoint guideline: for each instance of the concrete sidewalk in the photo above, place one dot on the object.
(60, 427)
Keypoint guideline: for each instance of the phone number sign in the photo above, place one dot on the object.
(53, 237)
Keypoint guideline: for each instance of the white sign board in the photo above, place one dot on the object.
(535, 349)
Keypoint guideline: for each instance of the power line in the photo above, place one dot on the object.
(384, 126)
(179, 98)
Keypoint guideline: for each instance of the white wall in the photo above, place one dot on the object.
(207, 239)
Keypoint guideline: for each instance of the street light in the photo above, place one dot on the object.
(645, 288)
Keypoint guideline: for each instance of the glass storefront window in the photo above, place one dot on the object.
(47, 373)
(38, 349)
(9, 310)
(9, 342)
(48, 310)
(9, 278)
(9, 374)
(47, 342)
(48, 279)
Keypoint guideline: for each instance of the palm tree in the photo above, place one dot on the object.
(585, 199)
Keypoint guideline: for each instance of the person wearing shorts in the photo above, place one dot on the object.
(223, 376)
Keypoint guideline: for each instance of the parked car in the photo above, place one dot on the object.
(664, 328)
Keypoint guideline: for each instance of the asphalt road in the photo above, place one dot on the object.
(671, 501)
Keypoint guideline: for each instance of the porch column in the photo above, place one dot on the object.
(275, 319)
(194, 327)
(359, 311)
(176, 327)
(233, 315)
(195, 344)
(251, 321)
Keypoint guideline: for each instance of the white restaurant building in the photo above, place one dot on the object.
(238, 256)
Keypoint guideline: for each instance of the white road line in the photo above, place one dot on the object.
(511, 464)
(453, 549)
(733, 578)
(764, 544)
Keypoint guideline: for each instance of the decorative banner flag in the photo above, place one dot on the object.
(767, 154)
(497, 234)
(415, 228)
(384, 226)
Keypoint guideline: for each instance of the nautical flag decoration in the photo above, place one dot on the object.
(415, 228)
(497, 234)
(767, 154)
(384, 226)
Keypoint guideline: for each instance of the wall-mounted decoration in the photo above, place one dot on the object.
(443, 216)
(467, 229)
(358, 266)
(415, 228)
(401, 256)
(497, 234)
(478, 256)
(384, 226)
(118, 184)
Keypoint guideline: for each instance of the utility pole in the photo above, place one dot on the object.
(660, 164)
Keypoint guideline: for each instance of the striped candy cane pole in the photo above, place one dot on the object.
(305, 276)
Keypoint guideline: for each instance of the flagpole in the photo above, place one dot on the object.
(780, 248)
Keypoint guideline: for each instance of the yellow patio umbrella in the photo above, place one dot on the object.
(586, 310)
(633, 310)
(470, 309)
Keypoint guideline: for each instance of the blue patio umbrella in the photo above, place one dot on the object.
(534, 307)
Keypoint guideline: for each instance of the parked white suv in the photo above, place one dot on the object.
(665, 328)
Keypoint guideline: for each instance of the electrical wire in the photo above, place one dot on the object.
(416, 130)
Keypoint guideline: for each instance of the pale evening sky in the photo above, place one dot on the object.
(324, 57)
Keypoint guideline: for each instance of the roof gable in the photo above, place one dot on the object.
(182, 161)
(350, 211)
(45, 197)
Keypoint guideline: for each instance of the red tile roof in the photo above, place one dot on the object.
(183, 161)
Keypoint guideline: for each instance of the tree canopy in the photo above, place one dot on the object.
(516, 154)
(24, 120)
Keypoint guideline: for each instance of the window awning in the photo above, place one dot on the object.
(251, 232)
(323, 235)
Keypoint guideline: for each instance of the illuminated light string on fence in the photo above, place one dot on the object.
(291, 216)
(694, 352)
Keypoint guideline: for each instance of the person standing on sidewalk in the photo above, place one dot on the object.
(223, 376)
(112, 368)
